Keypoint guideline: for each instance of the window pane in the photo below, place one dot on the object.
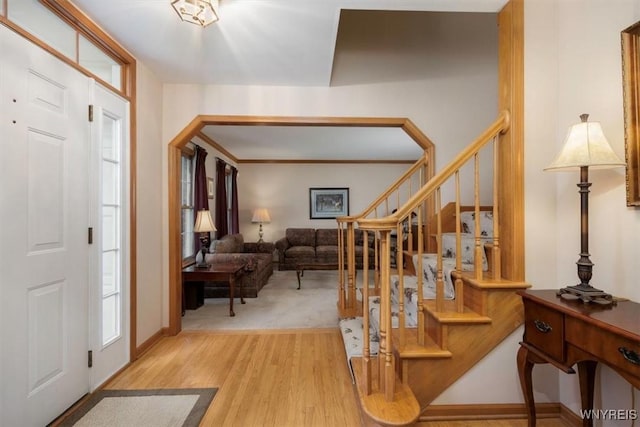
(109, 141)
(110, 319)
(110, 229)
(109, 183)
(110, 273)
(44, 24)
(99, 63)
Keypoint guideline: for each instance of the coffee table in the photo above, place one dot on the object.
(302, 266)
(193, 279)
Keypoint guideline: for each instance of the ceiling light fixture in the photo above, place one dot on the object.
(199, 12)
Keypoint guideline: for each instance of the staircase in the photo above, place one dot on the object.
(436, 302)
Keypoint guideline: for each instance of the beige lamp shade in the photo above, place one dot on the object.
(586, 145)
(261, 215)
(204, 222)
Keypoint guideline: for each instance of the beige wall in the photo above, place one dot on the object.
(284, 190)
(573, 66)
(150, 274)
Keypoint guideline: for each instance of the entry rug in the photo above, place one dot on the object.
(142, 408)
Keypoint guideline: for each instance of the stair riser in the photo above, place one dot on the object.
(428, 378)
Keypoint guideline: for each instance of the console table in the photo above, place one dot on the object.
(193, 279)
(565, 333)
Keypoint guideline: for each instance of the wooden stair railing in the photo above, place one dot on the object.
(382, 227)
(390, 200)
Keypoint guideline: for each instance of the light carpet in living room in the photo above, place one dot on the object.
(279, 305)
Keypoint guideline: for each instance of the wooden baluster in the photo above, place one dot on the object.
(439, 281)
(477, 257)
(366, 353)
(401, 312)
(351, 265)
(387, 367)
(459, 287)
(420, 302)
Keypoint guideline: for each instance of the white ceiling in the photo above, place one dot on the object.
(262, 42)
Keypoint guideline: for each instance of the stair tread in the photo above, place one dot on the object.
(451, 315)
(412, 350)
(488, 282)
(403, 410)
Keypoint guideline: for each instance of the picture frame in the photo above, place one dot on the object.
(210, 187)
(328, 203)
(631, 107)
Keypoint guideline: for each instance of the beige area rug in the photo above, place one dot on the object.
(279, 305)
(143, 408)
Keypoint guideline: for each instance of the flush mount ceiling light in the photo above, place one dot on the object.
(199, 12)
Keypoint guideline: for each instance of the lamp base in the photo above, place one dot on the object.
(586, 294)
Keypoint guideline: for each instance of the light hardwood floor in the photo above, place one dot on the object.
(283, 378)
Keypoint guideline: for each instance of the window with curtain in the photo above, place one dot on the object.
(188, 209)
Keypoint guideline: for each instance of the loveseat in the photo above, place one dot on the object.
(309, 246)
(257, 259)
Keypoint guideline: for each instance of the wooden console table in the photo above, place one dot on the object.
(193, 279)
(565, 333)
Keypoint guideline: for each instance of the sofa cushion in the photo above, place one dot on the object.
(301, 252)
(231, 243)
(327, 237)
(326, 251)
(301, 236)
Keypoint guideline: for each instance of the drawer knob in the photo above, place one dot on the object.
(543, 327)
(630, 355)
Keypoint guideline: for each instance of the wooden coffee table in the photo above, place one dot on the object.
(302, 266)
(193, 279)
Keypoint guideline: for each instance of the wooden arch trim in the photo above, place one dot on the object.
(194, 128)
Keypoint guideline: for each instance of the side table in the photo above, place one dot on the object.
(564, 333)
(193, 279)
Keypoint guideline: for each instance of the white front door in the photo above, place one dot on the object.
(44, 255)
(110, 220)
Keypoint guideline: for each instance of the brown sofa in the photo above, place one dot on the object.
(309, 246)
(256, 257)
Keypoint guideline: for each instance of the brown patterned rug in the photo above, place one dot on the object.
(153, 408)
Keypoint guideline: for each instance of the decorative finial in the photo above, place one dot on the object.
(584, 117)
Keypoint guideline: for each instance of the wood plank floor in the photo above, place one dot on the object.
(265, 378)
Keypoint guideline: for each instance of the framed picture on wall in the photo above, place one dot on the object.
(328, 203)
(210, 188)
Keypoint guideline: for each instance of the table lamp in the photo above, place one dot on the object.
(204, 224)
(585, 147)
(261, 216)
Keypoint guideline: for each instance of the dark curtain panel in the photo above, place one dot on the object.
(221, 199)
(235, 223)
(200, 197)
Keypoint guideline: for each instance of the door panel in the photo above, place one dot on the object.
(44, 253)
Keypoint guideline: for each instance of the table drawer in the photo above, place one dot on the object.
(618, 351)
(544, 329)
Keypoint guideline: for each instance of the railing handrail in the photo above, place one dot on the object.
(500, 125)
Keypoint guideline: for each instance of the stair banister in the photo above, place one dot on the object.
(500, 125)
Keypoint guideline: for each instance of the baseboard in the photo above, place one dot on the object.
(153, 339)
(488, 411)
(570, 417)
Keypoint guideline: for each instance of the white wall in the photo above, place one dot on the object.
(573, 66)
(150, 232)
